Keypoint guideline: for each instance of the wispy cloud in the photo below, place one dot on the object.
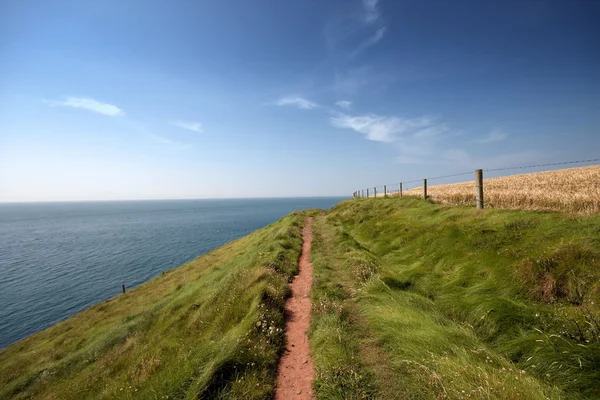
(376, 37)
(296, 101)
(132, 125)
(372, 18)
(415, 138)
(382, 128)
(353, 32)
(494, 136)
(89, 104)
(344, 104)
(190, 126)
(143, 131)
(371, 8)
(418, 139)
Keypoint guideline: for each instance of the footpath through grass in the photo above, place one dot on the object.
(410, 300)
(212, 328)
(416, 300)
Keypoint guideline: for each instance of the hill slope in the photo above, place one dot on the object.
(410, 299)
(417, 300)
(212, 327)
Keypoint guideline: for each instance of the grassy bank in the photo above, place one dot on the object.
(212, 328)
(417, 300)
(410, 300)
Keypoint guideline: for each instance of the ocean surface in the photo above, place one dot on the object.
(59, 258)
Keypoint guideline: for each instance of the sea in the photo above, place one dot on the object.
(57, 259)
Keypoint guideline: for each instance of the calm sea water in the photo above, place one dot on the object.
(59, 258)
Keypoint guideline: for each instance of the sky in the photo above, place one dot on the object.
(115, 99)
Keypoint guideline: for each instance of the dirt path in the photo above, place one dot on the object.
(295, 372)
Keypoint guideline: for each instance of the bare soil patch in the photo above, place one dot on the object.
(295, 373)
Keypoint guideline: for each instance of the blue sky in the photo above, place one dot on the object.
(151, 99)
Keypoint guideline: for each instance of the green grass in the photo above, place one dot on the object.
(212, 328)
(416, 300)
(410, 300)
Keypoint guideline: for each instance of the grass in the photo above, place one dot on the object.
(572, 190)
(418, 300)
(212, 328)
(335, 336)
(410, 300)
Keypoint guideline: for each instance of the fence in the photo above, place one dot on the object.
(390, 190)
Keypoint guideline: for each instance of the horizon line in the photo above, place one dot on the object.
(165, 199)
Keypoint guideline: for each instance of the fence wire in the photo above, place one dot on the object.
(359, 193)
(543, 165)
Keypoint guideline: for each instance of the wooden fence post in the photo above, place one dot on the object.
(479, 188)
(367, 193)
(425, 189)
(123, 288)
(384, 191)
(375, 191)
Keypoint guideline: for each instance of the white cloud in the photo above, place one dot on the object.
(89, 104)
(415, 138)
(376, 37)
(372, 18)
(494, 136)
(431, 131)
(344, 104)
(419, 140)
(371, 8)
(190, 126)
(353, 32)
(143, 131)
(296, 101)
(381, 128)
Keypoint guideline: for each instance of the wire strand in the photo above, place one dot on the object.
(486, 170)
(543, 165)
(449, 176)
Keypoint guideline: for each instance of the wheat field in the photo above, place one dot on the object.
(572, 190)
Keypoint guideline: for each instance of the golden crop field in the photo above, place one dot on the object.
(573, 190)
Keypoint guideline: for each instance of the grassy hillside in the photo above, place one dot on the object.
(573, 190)
(212, 328)
(417, 300)
(410, 300)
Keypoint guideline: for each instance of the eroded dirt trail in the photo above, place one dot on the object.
(295, 372)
